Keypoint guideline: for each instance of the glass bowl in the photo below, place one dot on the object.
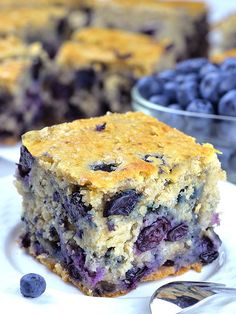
(218, 130)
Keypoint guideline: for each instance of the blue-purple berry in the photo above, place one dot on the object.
(191, 65)
(177, 233)
(200, 106)
(149, 86)
(32, 285)
(228, 64)
(227, 104)
(151, 236)
(122, 203)
(170, 90)
(25, 163)
(161, 100)
(167, 75)
(208, 68)
(187, 92)
(209, 86)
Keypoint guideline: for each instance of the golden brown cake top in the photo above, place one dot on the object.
(25, 18)
(15, 56)
(13, 47)
(191, 7)
(10, 72)
(34, 3)
(117, 48)
(72, 150)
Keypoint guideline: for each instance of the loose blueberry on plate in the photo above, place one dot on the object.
(32, 285)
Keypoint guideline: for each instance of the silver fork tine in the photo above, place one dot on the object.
(199, 283)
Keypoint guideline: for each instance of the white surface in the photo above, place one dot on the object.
(221, 8)
(60, 296)
(11, 153)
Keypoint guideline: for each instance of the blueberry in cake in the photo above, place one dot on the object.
(21, 106)
(95, 71)
(185, 23)
(141, 207)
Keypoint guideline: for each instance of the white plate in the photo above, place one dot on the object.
(14, 262)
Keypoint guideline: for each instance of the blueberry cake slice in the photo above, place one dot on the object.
(140, 207)
(20, 101)
(94, 72)
(185, 23)
(48, 24)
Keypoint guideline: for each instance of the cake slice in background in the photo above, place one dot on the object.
(185, 23)
(95, 71)
(49, 25)
(112, 201)
(20, 102)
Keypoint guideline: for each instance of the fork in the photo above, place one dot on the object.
(184, 294)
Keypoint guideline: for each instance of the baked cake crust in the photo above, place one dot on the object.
(163, 272)
(141, 134)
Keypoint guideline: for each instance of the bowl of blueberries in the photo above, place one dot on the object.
(199, 98)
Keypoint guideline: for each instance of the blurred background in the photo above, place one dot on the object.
(62, 60)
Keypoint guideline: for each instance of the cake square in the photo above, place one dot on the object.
(111, 201)
(94, 72)
(49, 24)
(185, 23)
(20, 103)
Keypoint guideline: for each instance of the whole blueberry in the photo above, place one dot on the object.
(178, 233)
(187, 92)
(149, 86)
(61, 91)
(170, 90)
(190, 66)
(32, 285)
(134, 275)
(192, 77)
(152, 235)
(209, 253)
(209, 86)
(179, 79)
(228, 64)
(26, 162)
(85, 78)
(228, 82)
(167, 75)
(161, 100)
(200, 106)
(208, 68)
(227, 104)
(122, 203)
